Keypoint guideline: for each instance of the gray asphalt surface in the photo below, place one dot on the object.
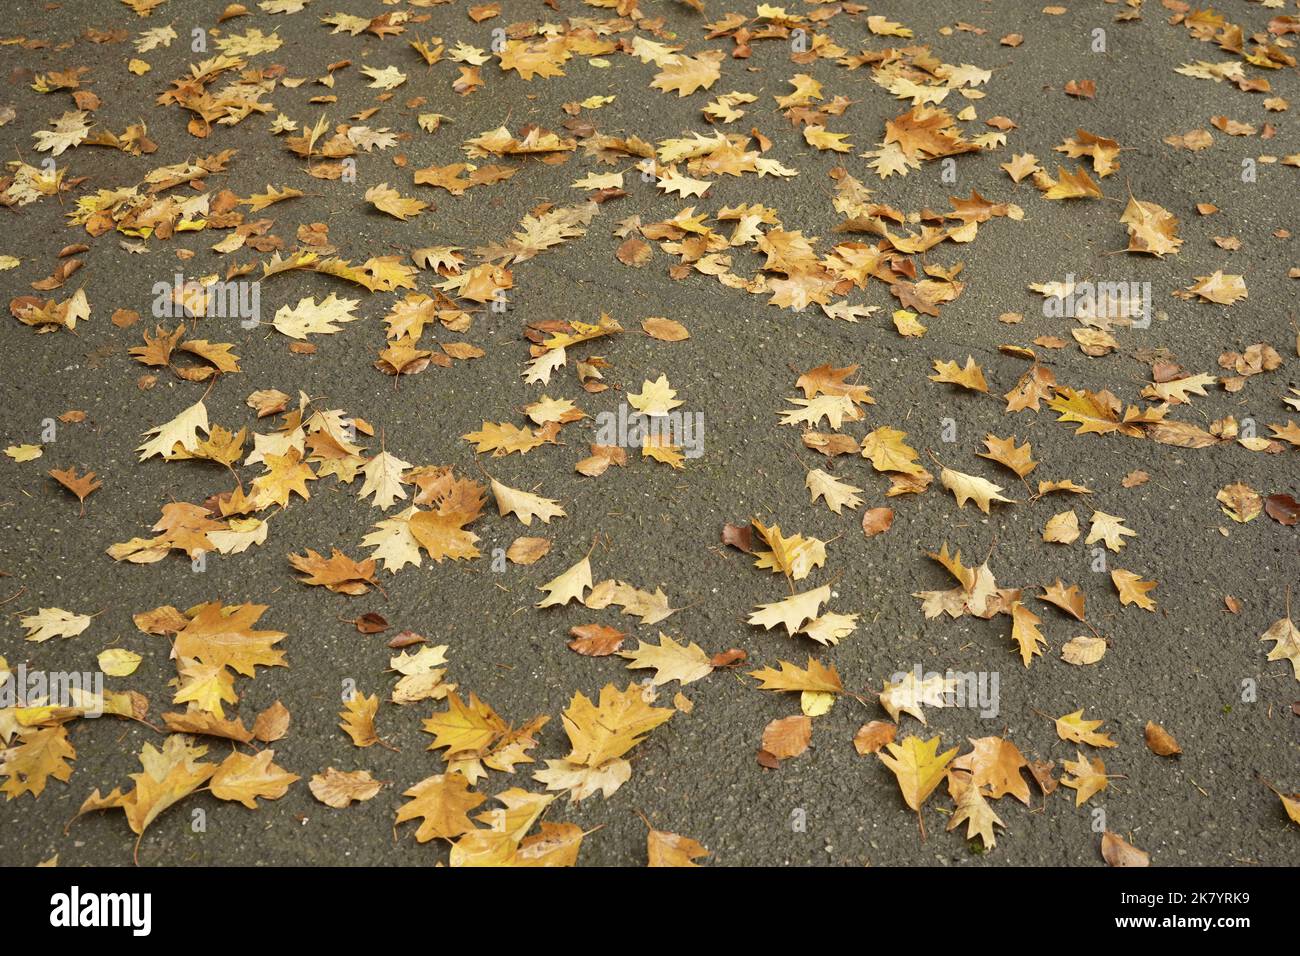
(1182, 667)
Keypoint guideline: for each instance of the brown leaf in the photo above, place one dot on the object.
(788, 737)
(596, 640)
(272, 724)
(739, 536)
(1117, 852)
(665, 330)
(1160, 741)
(872, 737)
(1283, 509)
(80, 485)
(526, 550)
(877, 521)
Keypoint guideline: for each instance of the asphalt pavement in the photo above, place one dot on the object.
(1182, 666)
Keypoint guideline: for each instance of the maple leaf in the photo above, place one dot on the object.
(338, 573)
(1102, 151)
(1110, 530)
(80, 485)
(655, 398)
(308, 317)
(996, 763)
(569, 586)
(1132, 589)
(793, 612)
(1004, 452)
(244, 778)
(396, 546)
(170, 775)
(41, 753)
(1094, 414)
(505, 438)
(836, 493)
(442, 803)
(51, 622)
(971, 377)
(1074, 728)
(1286, 645)
(672, 849)
(441, 532)
(500, 844)
(219, 635)
(918, 766)
(1035, 385)
(600, 734)
(1089, 777)
(285, 475)
(1025, 632)
(389, 78)
(383, 480)
(358, 717)
(1151, 228)
(538, 58)
(815, 678)
(386, 199)
(885, 449)
(966, 487)
(525, 505)
(205, 686)
(671, 661)
(685, 74)
(973, 810)
(182, 430)
(911, 693)
(465, 728)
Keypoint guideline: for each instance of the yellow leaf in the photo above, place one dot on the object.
(971, 377)
(817, 678)
(792, 612)
(1074, 728)
(672, 849)
(1132, 589)
(569, 586)
(918, 766)
(441, 803)
(670, 660)
(965, 487)
(243, 778)
(118, 662)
